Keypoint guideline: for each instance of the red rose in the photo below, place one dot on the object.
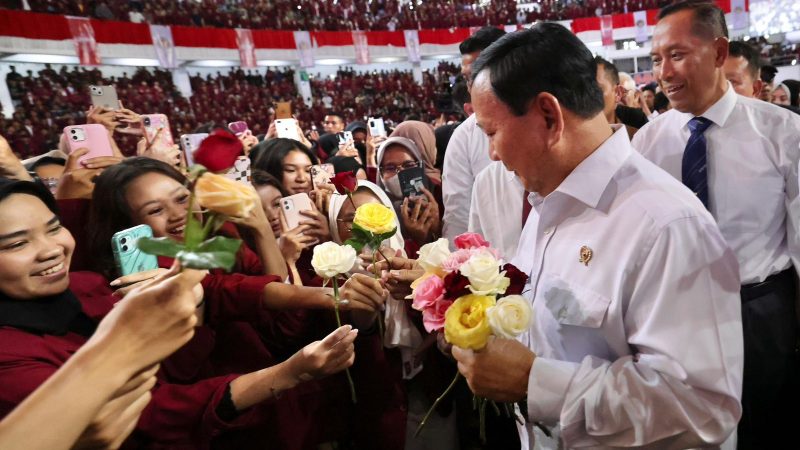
(517, 278)
(345, 182)
(218, 152)
(455, 285)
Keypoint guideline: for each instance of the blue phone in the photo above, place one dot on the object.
(127, 256)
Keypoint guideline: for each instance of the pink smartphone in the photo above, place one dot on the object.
(238, 127)
(156, 128)
(322, 174)
(291, 207)
(92, 136)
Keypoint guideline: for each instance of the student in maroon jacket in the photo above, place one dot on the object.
(47, 314)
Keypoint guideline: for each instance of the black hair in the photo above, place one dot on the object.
(650, 87)
(10, 186)
(768, 73)
(110, 211)
(480, 40)
(609, 68)
(460, 95)
(47, 161)
(660, 101)
(749, 53)
(344, 164)
(268, 155)
(544, 58)
(337, 114)
(259, 178)
(708, 18)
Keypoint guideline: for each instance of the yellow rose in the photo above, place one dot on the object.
(375, 218)
(225, 196)
(465, 322)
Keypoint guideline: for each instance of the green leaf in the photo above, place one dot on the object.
(387, 235)
(160, 246)
(355, 243)
(207, 260)
(220, 244)
(194, 233)
(196, 171)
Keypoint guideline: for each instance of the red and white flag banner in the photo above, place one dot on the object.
(247, 49)
(83, 38)
(361, 46)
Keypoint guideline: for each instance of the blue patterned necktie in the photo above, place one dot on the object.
(694, 173)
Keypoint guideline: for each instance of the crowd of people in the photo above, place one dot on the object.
(341, 15)
(47, 101)
(657, 228)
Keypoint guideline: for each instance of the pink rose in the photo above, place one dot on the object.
(456, 259)
(429, 291)
(470, 240)
(433, 318)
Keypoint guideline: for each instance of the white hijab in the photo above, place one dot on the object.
(400, 332)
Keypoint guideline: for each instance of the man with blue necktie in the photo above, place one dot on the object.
(740, 157)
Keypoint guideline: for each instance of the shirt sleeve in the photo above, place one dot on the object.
(457, 179)
(670, 393)
(792, 195)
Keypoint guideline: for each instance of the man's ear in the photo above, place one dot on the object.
(721, 47)
(758, 86)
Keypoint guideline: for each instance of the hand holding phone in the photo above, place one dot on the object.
(104, 97)
(321, 174)
(287, 128)
(93, 137)
(127, 256)
(189, 144)
(291, 207)
(377, 128)
(238, 127)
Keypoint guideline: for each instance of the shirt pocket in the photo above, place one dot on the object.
(572, 304)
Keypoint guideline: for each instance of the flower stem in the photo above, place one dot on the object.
(339, 324)
(482, 415)
(436, 403)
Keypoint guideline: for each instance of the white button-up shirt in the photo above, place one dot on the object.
(467, 155)
(753, 149)
(496, 209)
(636, 310)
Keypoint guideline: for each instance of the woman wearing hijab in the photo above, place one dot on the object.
(420, 216)
(402, 384)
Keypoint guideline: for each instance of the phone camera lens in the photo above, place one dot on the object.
(147, 121)
(73, 131)
(124, 240)
(74, 138)
(124, 248)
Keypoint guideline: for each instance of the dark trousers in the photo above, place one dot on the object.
(770, 411)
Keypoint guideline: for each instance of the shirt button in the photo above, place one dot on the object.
(562, 313)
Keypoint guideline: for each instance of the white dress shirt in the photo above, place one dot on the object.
(639, 344)
(467, 155)
(496, 208)
(752, 159)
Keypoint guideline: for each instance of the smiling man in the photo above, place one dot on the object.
(636, 335)
(740, 157)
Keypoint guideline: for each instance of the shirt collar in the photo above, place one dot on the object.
(587, 182)
(719, 112)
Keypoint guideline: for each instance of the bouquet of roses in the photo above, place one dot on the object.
(472, 295)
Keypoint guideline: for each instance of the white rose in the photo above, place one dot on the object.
(331, 259)
(431, 256)
(510, 317)
(483, 272)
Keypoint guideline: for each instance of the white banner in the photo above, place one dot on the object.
(739, 18)
(640, 24)
(305, 52)
(83, 38)
(247, 49)
(412, 45)
(180, 78)
(303, 84)
(361, 46)
(164, 45)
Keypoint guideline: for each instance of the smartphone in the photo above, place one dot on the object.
(189, 144)
(287, 128)
(322, 174)
(238, 127)
(283, 110)
(104, 97)
(345, 137)
(412, 181)
(127, 256)
(376, 127)
(156, 128)
(92, 136)
(291, 207)
(240, 170)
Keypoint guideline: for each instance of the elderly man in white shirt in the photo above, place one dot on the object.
(636, 338)
(740, 155)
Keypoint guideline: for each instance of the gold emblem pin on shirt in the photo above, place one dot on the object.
(585, 255)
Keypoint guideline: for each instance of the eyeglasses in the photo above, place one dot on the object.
(394, 169)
